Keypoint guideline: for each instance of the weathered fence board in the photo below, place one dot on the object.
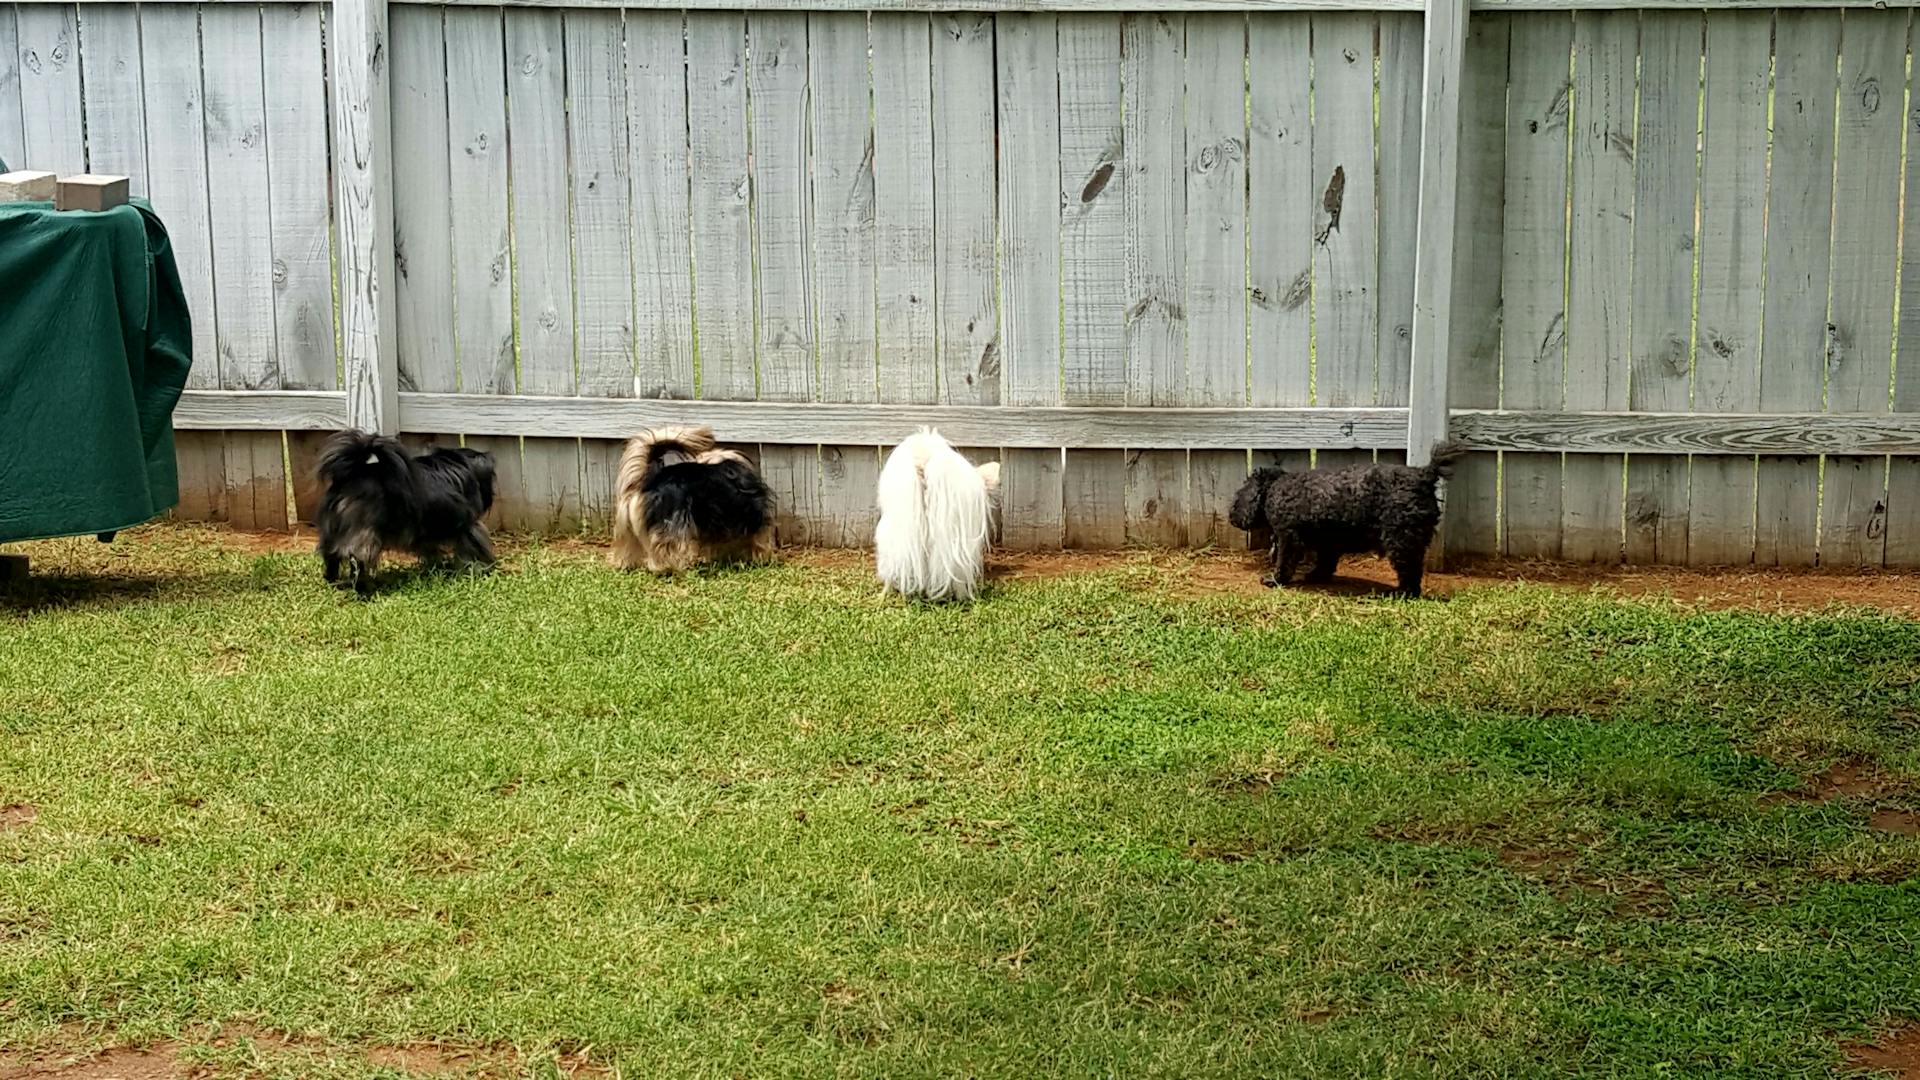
(661, 217)
(13, 133)
(965, 236)
(115, 104)
(50, 101)
(1666, 160)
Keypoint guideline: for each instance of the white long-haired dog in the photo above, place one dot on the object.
(935, 512)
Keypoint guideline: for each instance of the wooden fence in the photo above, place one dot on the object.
(1655, 272)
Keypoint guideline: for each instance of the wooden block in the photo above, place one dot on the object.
(89, 192)
(24, 185)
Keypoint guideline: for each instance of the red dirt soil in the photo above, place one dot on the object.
(1896, 1055)
(1230, 571)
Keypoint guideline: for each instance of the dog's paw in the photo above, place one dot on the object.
(1270, 581)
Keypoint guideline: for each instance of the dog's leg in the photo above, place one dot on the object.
(1409, 565)
(363, 574)
(1325, 561)
(1287, 552)
(332, 571)
(473, 549)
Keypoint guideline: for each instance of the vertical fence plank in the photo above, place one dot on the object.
(1153, 85)
(296, 132)
(115, 100)
(542, 257)
(1216, 246)
(1471, 519)
(1029, 99)
(1903, 474)
(422, 205)
(662, 260)
(482, 256)
(963, 208)
(243, 303)
(1402, 89)
(1093, 269)
(1533, 284)
(1666, 158)
(844, 258)
(784, 313)
(599, 159)
(1793, 339)
(1346, 302)
(363, 201)
(903, 207)
(1732, 236)
(177, 184)
(1600, 286)
(722, 227)
(50, 101)
(1866, 209)
(13, 134)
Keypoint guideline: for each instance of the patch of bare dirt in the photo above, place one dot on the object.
(1897, 822)
(1843, 780)
(1897, 1054)
(17, 816)
(1559, 872)
(170, 1060)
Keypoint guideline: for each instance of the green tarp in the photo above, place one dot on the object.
(95, 342)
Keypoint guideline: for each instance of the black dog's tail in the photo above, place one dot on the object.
(1248, 511)
(1445, 457)
(351, 456)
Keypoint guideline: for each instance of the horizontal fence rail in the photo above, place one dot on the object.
(1657, 276)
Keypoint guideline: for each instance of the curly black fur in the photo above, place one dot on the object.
(1388, 510)
(380, 496)
(719, 502)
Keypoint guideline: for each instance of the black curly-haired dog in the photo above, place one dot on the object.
(1383, 509)
(379, 496)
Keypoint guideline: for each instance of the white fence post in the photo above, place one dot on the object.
(363, 206)
(1446, 36)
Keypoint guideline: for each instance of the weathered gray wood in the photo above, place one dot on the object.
(1691, 433)
(1153, 82)
(828, 498)
(1021, 427)
(808, 509)
(1092, 268)
(903, 209)
(1533, 284)
(783, 307)
(1793, 341)
(1600, 286)
(1470, 522)
(296, 134)
(363, 209)
(1346, 301)
(50, 102)
(260, 410)
(1903, 475)
(542, 259)
(1180, 5)
(423, 221)
(477, 168)
(177, 169)
(849, 478)
(722, 227)
(1030, 189)
(1404, 93)
(662, 259)
(1666, 152)
(13, 134)
(598, 160)
(115, 103)
(965, 232)
(1732, 238)
(1216, 246)
(1866, 211)
(1280, 211)
(843, 221)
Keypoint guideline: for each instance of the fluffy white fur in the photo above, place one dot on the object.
(935, 513)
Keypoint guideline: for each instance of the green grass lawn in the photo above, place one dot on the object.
(769, 823)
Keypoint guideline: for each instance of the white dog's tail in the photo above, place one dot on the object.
(935, 512)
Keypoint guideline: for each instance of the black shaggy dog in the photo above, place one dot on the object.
(380, 496)
(1388, 510)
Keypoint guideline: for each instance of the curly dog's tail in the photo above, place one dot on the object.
(1445, 457)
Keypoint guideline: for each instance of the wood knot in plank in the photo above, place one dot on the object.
(1097, 183)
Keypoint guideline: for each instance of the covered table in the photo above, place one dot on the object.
(95, 342)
